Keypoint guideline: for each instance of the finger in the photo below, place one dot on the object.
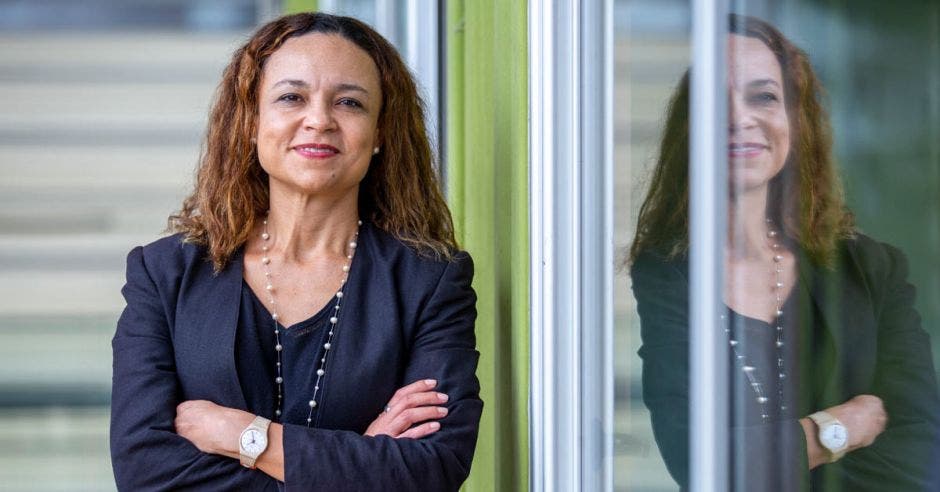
(415, 387)
(420, 431)
(419, 400)
(412, 416)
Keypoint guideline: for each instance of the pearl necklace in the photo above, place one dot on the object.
(334, 319)
(748, 370)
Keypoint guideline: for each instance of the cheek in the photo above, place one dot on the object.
(782, 141)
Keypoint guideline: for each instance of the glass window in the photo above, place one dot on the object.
(830, 268)
(651, 54)
(830, 291)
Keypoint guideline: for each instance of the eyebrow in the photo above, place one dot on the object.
(343, 87)
(762, 82)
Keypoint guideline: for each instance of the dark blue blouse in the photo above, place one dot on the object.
(256, 359)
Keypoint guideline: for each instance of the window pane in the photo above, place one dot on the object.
(651, 54)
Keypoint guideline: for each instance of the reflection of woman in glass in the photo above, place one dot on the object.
(829, 362)
(310, 327)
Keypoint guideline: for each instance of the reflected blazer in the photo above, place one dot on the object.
(409, 318)
(866, 339)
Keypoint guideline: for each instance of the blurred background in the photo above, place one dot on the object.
(102, 108)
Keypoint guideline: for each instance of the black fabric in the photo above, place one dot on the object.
(775, 465)
(859, 334)
(405, 318)
(256, 359)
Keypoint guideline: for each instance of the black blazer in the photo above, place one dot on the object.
(867, 340)
(411, 318)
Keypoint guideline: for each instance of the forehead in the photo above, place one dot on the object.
(321, 58)
(750, 59)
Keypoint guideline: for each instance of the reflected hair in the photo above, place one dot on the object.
(399, 194)
(805, 199)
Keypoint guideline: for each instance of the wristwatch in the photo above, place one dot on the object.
(253, 441)
(832, 435)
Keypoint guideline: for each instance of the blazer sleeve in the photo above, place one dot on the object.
(146, 452)
(660, 289)
(905, 455)
(444, 349)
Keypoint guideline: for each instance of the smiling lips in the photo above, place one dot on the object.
(316, 151)
(747, 149)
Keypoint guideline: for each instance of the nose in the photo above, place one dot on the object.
(318, 117)
(739, 114)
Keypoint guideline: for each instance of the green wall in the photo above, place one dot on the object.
(487, 180)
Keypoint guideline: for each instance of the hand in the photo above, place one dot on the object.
(412, 404)
(212, 428)
(864, 418)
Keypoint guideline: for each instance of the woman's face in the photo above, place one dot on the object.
(319, 103)
(758, 125)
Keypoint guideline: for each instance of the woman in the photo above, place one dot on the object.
(831, 373)
(310, 324)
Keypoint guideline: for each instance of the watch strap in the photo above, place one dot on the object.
(822, 418)
(260, 424)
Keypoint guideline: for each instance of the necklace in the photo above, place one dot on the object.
(749, 370)
(334, 319)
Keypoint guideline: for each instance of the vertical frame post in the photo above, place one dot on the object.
(708, 178)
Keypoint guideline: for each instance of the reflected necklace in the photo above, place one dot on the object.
(777, 322)
(334, 319)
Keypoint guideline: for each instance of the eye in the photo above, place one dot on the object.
(350, 102)
(290, 98)
(764, 98)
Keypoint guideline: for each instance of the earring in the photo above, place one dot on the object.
(375, 150)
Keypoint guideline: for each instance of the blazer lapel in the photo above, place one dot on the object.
(822, 333)
(843, 337)
(206, 329)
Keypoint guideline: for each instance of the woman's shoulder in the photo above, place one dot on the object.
(168, 256)
(175, 247)
(392, 253)
(659, 264)
(879, 266)
(873, 257)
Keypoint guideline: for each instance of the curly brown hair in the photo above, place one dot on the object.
(806, 198)
(400, 193)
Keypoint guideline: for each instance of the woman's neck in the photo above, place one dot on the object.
(747, 226)
(304, 227)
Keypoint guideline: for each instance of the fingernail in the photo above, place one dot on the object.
(442, 410)
(442, 397)
(430, 382)
(435, 425)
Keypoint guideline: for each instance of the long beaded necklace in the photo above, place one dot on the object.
(334, 319)
(749, 370)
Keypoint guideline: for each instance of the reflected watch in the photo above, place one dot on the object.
(832, 434)
(253, 441)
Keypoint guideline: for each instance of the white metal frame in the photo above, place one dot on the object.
(570, 103)
(708, 181)
(571, 404)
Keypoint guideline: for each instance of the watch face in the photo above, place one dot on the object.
(253, 441)
(833, 437)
